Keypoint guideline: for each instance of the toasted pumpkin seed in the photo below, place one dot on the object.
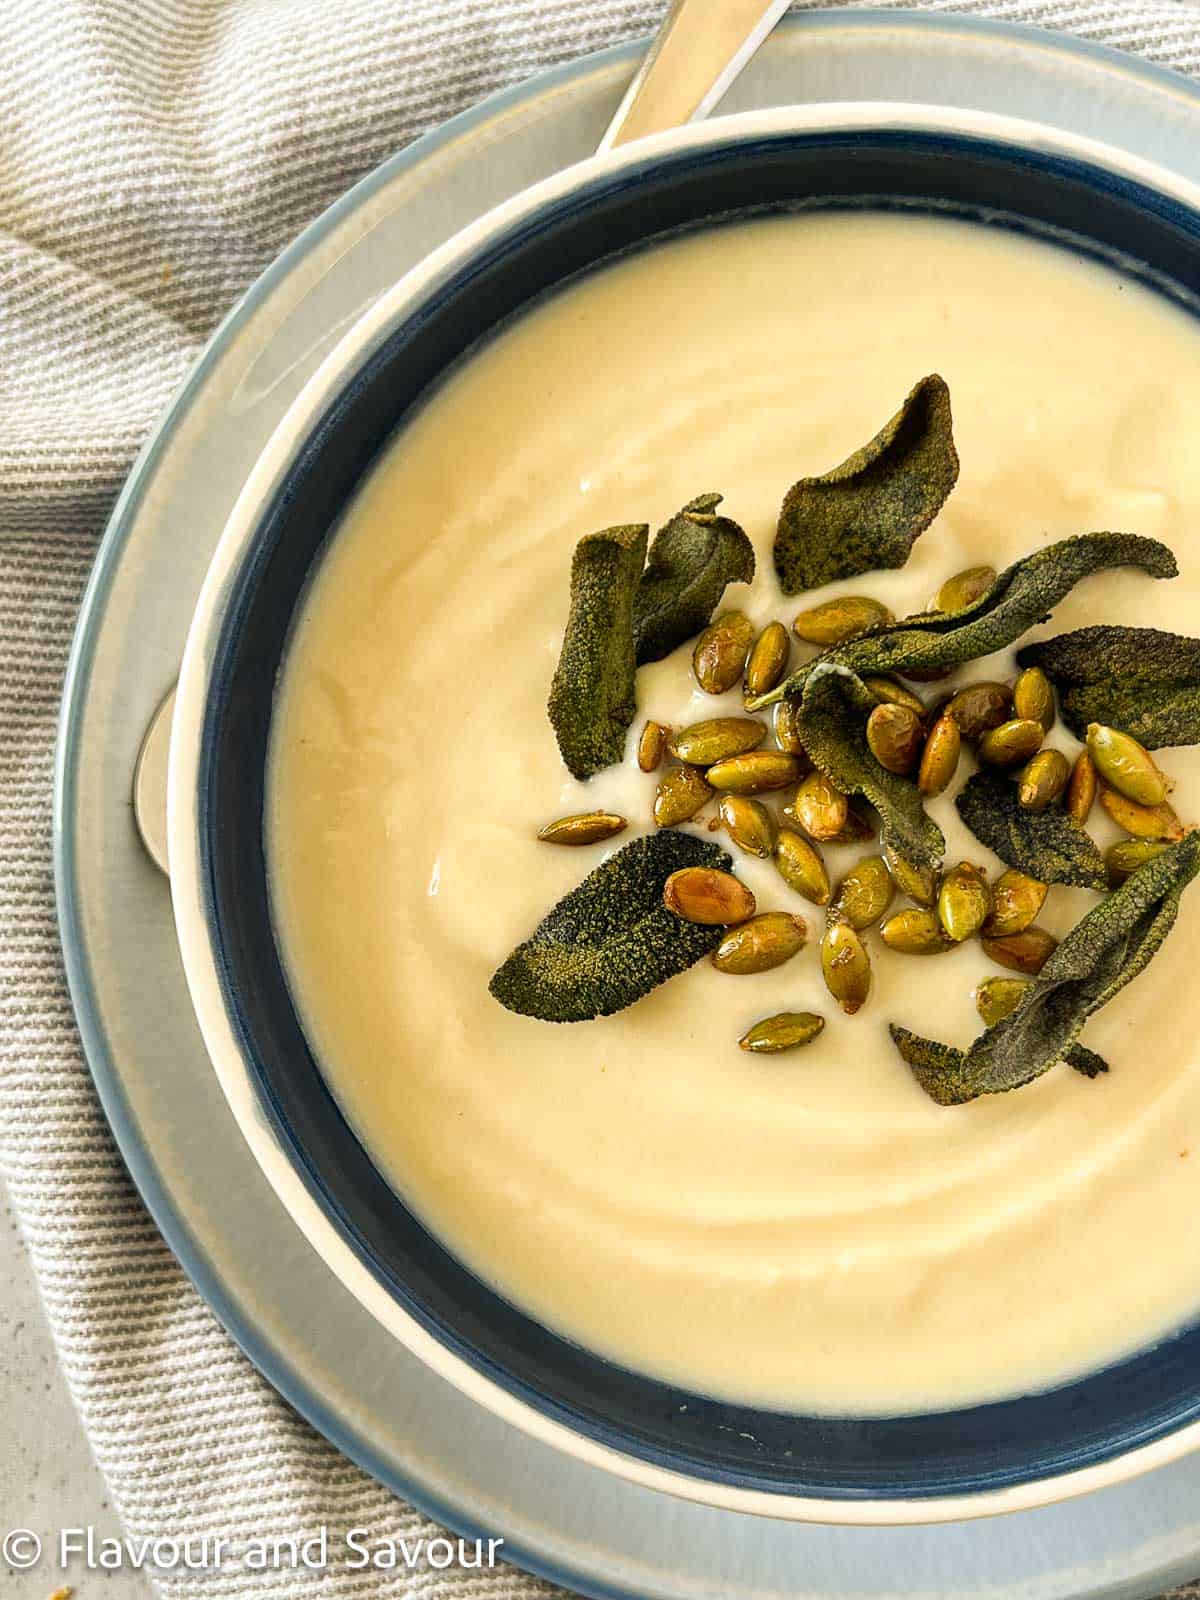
(705, 743)
(891, 692)
(979, 707)
(749, 824)
(764, 942)
(845, 966)
(785, 1031)
(1027, 951)
(859, 826)
(1033, 698)
(768, 659)
(1122, 859)
(1081, 790)
(756, 772)
(895, 736)
(818, 808)
(1125, 766)
(918, 883)
(708, 895)
(939, 759)
(997, 998)
(1012, 743)
(1043, 779)
(786, 735)
(835, 621)
(1016, 901)
(927, 674)
(801, 867)
(915, 931)
(584, 827)
(652, 746)
(721, 650)
(864, 894)
(681, 793)
(962, 590)
(1143, 822)
(964, 901)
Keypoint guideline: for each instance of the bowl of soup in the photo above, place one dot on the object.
(790, 1282)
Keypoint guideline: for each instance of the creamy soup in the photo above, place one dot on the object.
(802, 1231)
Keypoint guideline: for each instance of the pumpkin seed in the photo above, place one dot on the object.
(721, 650)
(705, 743)
(762, 943)
(1016, 901)
(915, 932)
(1124, 858)
(768, 659)
(864, 894)
(681, 793)
(845, 966)
(928, 674)
(1027, 951)
(964, 901)
(818, 808)
(585, 827)
(1033, 698)
(785, 1031)
(755, 772)
(1043, 780)
(1143, 822)
(1012, 743)
(801, 867)
(708, 895)
(1081, 790)
(1125, 766)
(939, 759)
(997, 998)
(895, 736)
(652, 746)
(835, 621)
(749, 824)
(890, 692)
(961, 591)
(918, 883)
(980, 707)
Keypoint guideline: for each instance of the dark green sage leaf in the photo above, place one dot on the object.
(1101, 954)
(592, 699)
(1045, 845)
(1085, 1061)
(1024, 594)
(692, 559)
(867, 513)
(611, 940)
(831, 722)
(1141, 680)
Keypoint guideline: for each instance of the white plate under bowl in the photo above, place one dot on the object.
(569, 1521)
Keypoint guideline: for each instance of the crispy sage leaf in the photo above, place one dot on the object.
(592, 699)
(611, 940)
(1141, 680)
(1085, 1061)
(867, 513)
(1024, 594)
(1046, 845)
(1100, 955)
(692, 559)
(831, 724)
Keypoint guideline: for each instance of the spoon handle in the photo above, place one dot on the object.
(698, 51)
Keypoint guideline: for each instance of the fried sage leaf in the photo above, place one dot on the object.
(1046, 845)
(592, 698)
(1141, 680)
(692, 559)
(831, 721)
(867, 513)
(1024, 594)
(611, 940)
(1100, 955)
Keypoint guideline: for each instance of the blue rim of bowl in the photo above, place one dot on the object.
(137, 1155)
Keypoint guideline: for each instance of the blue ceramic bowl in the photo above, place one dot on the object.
(1013, 1453)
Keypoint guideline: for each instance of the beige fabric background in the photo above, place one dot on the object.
(203, 133)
